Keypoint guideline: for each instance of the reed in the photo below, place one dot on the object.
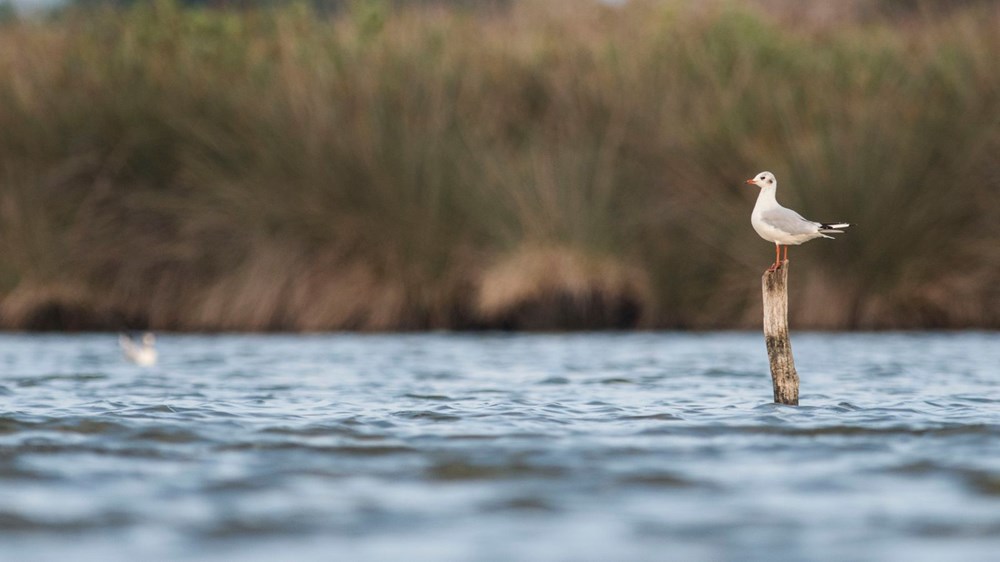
(387, 168)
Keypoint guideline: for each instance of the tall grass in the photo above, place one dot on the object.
(551, 165)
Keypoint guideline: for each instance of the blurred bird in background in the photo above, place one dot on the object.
(142, 353)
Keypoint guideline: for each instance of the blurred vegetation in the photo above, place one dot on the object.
(548, 165)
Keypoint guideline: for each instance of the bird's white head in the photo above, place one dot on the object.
(764, 180)
(148, 339)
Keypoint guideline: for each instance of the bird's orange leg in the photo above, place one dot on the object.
(777, 257)
(786, 254)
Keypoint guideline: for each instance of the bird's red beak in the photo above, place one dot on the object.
(750, 180)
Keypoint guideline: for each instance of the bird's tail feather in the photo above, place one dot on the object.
(833, 227)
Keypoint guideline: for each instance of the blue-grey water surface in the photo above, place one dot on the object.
(500, 447)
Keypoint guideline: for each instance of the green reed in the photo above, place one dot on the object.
(283, 169)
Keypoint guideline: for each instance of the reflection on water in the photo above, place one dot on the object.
(495, 447)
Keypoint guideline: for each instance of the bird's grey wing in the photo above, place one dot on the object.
(787, 220)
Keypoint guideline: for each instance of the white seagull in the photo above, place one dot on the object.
(782, 226)
(144, 354)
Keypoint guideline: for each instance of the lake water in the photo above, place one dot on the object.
(488, 447)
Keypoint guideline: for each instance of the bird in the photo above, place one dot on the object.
(141, 354)
(782, 226)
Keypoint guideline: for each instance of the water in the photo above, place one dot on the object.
(495, 447)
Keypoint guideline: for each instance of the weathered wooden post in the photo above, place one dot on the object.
(779, 349)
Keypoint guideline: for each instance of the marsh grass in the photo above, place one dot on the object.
(432, 168)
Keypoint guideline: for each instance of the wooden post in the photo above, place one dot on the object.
(779, 349)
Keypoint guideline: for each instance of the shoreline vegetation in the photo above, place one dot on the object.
(538, 165)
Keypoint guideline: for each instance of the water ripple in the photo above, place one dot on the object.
(621, 446)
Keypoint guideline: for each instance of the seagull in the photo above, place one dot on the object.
(782, 226)
(144, 354)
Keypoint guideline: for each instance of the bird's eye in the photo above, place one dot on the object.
(770, 181)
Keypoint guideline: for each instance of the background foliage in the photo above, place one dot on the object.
(534, 165)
